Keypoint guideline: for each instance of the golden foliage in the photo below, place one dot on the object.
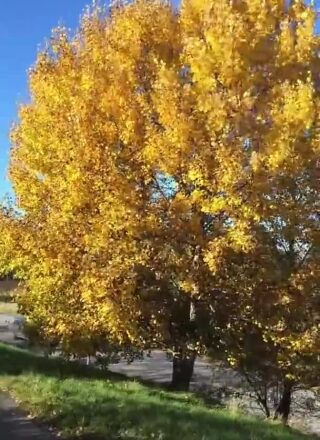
(185, 143)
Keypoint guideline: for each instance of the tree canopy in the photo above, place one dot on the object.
(172, 157)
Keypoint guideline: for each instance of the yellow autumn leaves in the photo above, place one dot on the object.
(155, 137)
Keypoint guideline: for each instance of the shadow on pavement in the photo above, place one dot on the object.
(14, 425)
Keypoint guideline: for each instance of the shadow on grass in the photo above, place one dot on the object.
(15, 361)
(94, 405)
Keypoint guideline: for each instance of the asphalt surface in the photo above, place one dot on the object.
(14, 425)
(9, 326)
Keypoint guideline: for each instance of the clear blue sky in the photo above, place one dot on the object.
(24, 25)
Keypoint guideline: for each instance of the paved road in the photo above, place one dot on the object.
(10, 325)
(158, 368)
(14, 425)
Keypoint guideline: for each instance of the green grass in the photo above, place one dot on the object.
(92, 405)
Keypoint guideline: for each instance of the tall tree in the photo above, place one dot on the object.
(168, 162)
(77, 169)
(239, 134)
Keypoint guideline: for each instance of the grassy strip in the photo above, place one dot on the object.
(90, 404)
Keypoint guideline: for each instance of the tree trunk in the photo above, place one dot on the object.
(283, 408)
(182, 371)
